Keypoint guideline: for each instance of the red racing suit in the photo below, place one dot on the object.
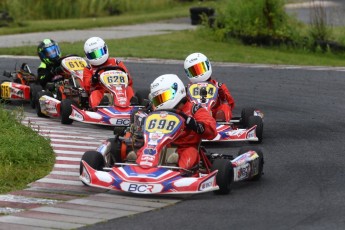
(189, 141)
(96, 91)
(222, 110)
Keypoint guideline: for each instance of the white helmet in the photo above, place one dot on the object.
(197, 67)
(96, 51)
(167, 91)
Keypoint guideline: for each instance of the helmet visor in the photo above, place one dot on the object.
(51, 52)
(162, 97)
(97, 53)
(198, 69)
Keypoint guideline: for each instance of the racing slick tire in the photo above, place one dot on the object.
(34, 89)
(245, 114)
(37, 102)
(261, 160)
(142, 96)
(225, 175)
(66, 111)
(92, 158)
(114, 154)
(256, 120)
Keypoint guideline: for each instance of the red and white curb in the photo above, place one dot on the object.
(60, 200)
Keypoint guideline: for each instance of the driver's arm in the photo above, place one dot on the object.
(204, 117)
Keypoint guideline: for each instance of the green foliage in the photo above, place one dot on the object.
(25, 156)
(256, 21)
(62, 9)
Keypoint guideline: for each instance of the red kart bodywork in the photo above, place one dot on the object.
(115, 83)
(227, 131)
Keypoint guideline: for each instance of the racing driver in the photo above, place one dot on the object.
(198, 69)
(168, 92)
(97, 54)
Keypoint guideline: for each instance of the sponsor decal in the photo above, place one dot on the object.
(206, 184)
(150, 151)
(141, 188)
(121, 122)
(76, 115)
(154, 85)
(242, 171)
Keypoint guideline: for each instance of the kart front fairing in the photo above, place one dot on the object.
(104, 115)
(150, 175)
(157, 180)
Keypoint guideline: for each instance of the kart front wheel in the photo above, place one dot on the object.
(260, 164)
(34, 89)
(225, 175)
(92, 158)
(66, 111)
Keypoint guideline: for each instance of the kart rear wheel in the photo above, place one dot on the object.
(225, 175)
(245, 114)
(261, 160)
(142, 96)
(66, 111)
(114, 155)
(34, 89)
(92, 158)
(256, 120)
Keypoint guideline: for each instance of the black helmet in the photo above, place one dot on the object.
(48, 51)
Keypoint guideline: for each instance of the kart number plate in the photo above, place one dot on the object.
(114, 77)
(5, 90)
(166, 124)
(194, 91)
(74, 63)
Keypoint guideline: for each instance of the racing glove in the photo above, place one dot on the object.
(57, 71)
(94, 79)
(192, 124)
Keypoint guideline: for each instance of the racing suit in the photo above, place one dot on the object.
(225, 102)
(96, 91)
(46, 73)
(188, 142)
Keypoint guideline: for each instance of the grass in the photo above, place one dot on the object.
(24, 155)
(174, 46)
(84, 23)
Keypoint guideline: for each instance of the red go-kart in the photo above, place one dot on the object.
(118, 106)
(247, 127)
(64, 90)
(21, 86)
(112, 166)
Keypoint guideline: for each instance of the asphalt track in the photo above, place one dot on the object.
(303, 185)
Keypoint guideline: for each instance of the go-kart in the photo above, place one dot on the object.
(64, 90)
(112, 166)
(21, 86)
(247, 127)
(119, 104)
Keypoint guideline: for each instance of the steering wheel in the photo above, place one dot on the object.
(106, 68)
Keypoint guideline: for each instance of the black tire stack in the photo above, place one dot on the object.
(196, 14)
